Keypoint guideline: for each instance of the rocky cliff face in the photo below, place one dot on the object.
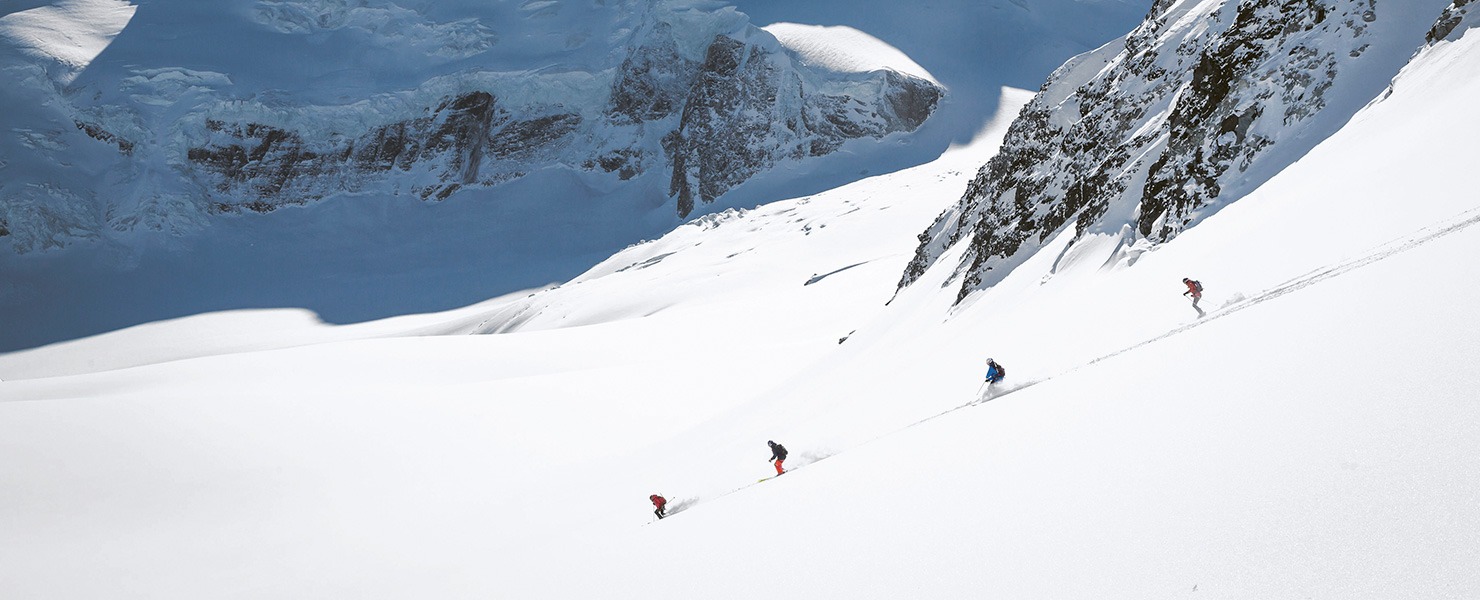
(739, 112)
(1202, 102)
(748, 109)
(1449, 22)
(685, 92)
(465, 140)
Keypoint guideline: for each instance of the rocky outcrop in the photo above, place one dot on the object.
(748, 110)
(1449, 21)
(1199, 104)
(715, 147)
(260, 167)
(1208, 128)
(97, 132)
(654, 80)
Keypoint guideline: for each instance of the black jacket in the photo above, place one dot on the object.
(778, 452)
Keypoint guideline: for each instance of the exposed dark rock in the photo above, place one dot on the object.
(653, 80)
(1448, 21)
(911, 99)
(1186, 175)
(748, 110)
(98, 133)
(462, 132)
(715, 147)
(259, 167)
(626, 163)
(520, 139)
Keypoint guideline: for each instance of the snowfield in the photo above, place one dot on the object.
(1314, 436)
(844, 49)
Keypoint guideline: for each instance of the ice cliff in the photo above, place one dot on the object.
(203, 108)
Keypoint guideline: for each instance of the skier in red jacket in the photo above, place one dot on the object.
(1194, 289)
(659, 502)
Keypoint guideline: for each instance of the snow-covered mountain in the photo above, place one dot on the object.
(1313, 435)
(156, 142)
(1198, 106)
(689, 89)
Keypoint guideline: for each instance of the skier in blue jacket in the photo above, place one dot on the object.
(995, 372)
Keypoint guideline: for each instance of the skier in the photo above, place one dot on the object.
(778, 454)
(1194, 288)
(659, 502)
(995, 372)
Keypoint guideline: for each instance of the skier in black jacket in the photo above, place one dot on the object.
(778, 454)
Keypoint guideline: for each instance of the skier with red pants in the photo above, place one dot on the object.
(659, 502)
(778, 454)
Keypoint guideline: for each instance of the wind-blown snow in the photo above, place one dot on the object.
(844, 49)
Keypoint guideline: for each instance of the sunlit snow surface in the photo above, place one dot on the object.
(1313, 436)
(844, 49)
(68, 34)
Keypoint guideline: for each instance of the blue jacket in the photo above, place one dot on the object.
(995, 372)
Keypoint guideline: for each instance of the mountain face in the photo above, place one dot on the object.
(684, 91)
(748, 109)
(1145, 137)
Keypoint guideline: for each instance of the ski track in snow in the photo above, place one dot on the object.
(1460, 223)
(1464, 221)
(692, 501)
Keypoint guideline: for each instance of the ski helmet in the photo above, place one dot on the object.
(990, 361)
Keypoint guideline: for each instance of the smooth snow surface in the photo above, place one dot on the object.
(844, 49)
(1313, 436)
(66, 35)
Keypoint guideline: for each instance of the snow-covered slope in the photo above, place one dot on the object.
(1313, 436)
